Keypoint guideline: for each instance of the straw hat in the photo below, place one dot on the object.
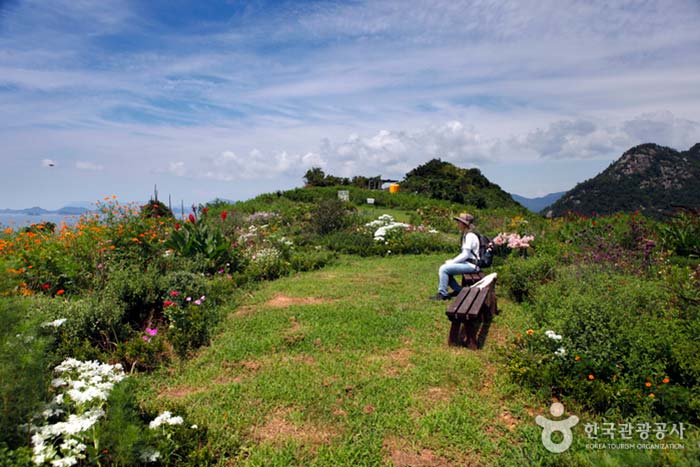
(465, 219)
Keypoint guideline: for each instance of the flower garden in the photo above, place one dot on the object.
(607, 309)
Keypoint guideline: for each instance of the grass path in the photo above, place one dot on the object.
(349, 366)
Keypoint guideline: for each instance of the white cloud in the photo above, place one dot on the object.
(393, 153)
(230, 166)
(573, 139)
(663, 128)
(177, 168)
(48, 163)
(589, 139)
(82, 165)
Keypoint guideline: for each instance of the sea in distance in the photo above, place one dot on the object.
(23, 220)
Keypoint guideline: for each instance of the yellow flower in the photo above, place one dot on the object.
(652, 395)
(530, 332)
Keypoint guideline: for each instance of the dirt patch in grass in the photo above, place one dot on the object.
(278, 429)
(180, 392)
(245, 310)
(436, 395)
(228, 379)
(396, 362)
(509, 420)
(402, 455)
(284, 301)
(251, 365)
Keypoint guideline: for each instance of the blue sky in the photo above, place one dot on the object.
(231, 98)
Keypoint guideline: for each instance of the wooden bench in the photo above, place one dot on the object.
(471, 312)
(472, 278)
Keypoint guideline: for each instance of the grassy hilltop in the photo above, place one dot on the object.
(284, 330)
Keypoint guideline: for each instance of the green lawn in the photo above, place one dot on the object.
(349, 366)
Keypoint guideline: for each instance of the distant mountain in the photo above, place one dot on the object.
(649, 178)
(442, 180)
(37, 211)
(538, 204)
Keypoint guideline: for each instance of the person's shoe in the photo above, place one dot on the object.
(439, 297)
(454, 293)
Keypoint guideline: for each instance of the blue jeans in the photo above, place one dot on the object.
(447, 271)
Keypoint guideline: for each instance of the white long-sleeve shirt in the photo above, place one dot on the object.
(470, 249)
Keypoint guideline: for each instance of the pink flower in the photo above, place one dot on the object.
(202, 298)
(151, 332)
(198, 302)
(189, 299)
(146, 338)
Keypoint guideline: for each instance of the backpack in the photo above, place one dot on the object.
(485, 253)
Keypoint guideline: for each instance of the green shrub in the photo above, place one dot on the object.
(24, 357)
(521, 276)
(353, 242)
(623, 345)
(140, 293)
(329, 216)
(682, 233)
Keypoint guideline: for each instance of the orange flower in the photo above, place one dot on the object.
(114, 196)
(60, 292)
(652, 395)
(647, 384)
(591, 377)
(7, 230)
(106, 198)
(577, 358)
(666, 380)
(530, 332)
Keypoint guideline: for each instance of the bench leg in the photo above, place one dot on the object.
(453, 337)
(471, 327)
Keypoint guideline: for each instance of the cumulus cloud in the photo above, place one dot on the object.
(81, 165)
(395, 152)
(573, 139)
(589, 139)
(230, 166)
(48, 163)
(663, 128)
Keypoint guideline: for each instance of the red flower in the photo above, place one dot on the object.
(223, 215)
(191, 218)
(174, 293)
(46, 286)
(205, 210)
(168, 303)
(177, 226)
(60, 292)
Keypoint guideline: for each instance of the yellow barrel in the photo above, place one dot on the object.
(394, 188)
